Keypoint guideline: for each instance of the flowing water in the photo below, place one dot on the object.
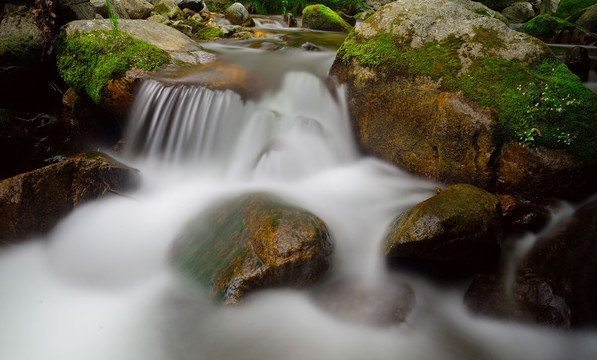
(99, 285)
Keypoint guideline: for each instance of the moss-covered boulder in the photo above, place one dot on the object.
(253, 242)
(95, 60)
(437, 88)
(168, 8)
(32, 203)
(461, 225)
(320, 17)
(237, 14)
(554, 30)
(588, 19)
(573, 8)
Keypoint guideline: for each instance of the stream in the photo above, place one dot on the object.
(99, 286)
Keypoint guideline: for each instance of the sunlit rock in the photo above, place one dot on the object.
(33, 202)
(519, 12)
(253, 242)
(461, 225)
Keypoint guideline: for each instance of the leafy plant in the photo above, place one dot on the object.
(113, 18)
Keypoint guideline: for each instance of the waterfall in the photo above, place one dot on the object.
(99, 285)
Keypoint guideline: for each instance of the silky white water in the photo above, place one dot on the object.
(99, 285)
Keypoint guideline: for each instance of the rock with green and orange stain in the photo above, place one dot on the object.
(252, 242)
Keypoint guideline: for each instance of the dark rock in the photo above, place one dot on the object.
(578, 61)
(520, 215)
(554, 284)
(350, 20)
(548, 7)
(310, 47)
(195, 5)
(461, 225)
(253, 242)
(70, 10)
(117, 7)
(21, 74)
(32, 203)
(290, 20)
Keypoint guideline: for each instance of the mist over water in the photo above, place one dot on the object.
(99, 285)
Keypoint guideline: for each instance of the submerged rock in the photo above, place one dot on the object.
(32, 203)
(382, 304)
(438, 86)
(461, 225)
(320, 17)
(253, 242)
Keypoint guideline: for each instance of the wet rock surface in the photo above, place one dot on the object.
(32, 203)
(253, 242)
(462, 225)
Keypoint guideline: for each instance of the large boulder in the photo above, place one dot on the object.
(320, 17)
(32, 203)
(461, 225)
(437, 88)
(252, 242)
(554, 283)
(519, 12)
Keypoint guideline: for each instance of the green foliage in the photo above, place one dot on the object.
(320, 17)
(545, 26)
(569, 8)
(541, 104)
(113, 18)
(87, 61)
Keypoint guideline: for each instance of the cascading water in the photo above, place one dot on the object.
(99, 286)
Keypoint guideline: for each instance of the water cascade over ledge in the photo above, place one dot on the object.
(99, 285)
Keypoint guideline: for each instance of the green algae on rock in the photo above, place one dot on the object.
(545, 26)
(252, 242)
(461, 225)
(320, 17)
(87, 61)
(401, 62)
(572, 8)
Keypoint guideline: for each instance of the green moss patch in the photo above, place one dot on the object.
(568, 8)
(207, 33)
(88, 60)
(545, 26)
(320, 17)
(541, 104)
